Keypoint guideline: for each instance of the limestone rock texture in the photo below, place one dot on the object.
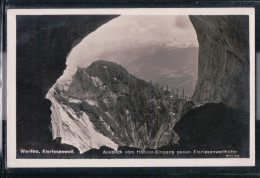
(104, 105)
(223, 66)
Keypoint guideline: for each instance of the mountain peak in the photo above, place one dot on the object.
(102, 64)
(102, 76)
(106, 106)
(107, 71)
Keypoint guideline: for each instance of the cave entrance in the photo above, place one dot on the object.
(132, 70)
(167, 56)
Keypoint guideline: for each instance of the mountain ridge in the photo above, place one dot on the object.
(120, 109)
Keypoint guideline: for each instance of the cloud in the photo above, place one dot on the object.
(127, 32)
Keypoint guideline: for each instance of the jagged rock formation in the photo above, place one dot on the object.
(223, 72)
(104, 105)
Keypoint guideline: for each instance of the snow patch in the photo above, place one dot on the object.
(71, 100)
(79, 132)
(97, 82)
(91, 102)
(172, 113)
(106, 125)
(106, 101)
(66, 87)
(102, 88)
(68, 82)
(111, 117)
(105, 67)
(108, 114)
(114, 96)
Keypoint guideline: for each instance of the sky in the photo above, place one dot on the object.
(129, 31)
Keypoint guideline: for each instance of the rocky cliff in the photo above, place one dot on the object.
(104, 105)
(43, 43)
(223, 69)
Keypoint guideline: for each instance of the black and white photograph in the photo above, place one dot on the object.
(130, 87)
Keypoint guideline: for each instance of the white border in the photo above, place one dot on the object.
(12, 162)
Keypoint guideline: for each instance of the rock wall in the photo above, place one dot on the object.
(43, 43)
(223, 72)
(214, 127)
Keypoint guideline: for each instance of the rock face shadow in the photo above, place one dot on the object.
(43, 43)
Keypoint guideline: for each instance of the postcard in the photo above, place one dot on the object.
(146, 87)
